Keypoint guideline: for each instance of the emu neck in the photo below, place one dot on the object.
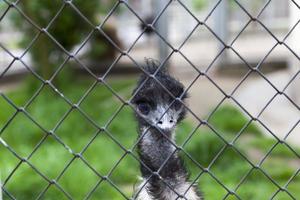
(159, 154)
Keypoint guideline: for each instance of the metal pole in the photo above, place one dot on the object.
(145, 5)
(162, 28)
(221, 27)
(293, 61)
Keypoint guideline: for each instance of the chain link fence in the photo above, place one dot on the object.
(231, 192)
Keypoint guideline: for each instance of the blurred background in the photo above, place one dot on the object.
(68, 67)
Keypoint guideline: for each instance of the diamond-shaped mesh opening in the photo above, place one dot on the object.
(122, 132)
(55, 105)
(132, 32)
(240, 21)
(43, 155)
(8, 162)
(279, 169)
(292, 115)
(9, 59)
(104, 9)
(252, 9)
(279, 55)
(150, 51)
(292, 185)
(89, 179)
(206, 8)
(7, 109)
(41, 15)
(104, 161)
(57, 27)
(290, 86)
(120, 64)
(209, 41)
(105, 190)
(69, 132)
(51, 51)
(230, 159)
(179, 14)
(73, 90)
(24, 191)
(239, 44)
(238, 18)
(250, 183)
(218, 192)
(98, 46)
(293, 34)
(138, 53)
(213, 92)
(53, 192)
(23, 95)
(70, 139)
(253, 141)
(270, 7)
(201, 142)
(239, 124)
(256, 94)
(107, 106)
(126, 184)
(25, 132)
(120, 90)
(237, 74)
(17, 64)
(13, 16)
(177, 71)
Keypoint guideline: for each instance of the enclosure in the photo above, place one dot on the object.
(67, 73)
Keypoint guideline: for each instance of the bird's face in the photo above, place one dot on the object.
(158, 108)
(162, 115)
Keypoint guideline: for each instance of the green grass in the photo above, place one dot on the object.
(234, 121)
(103, 153)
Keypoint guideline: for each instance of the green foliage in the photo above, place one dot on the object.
(234, 123)
(103, 153)
(61, 21)
(68, 28)
(203, 146)
(22, 135)
(199, 4)
(101, 49)
(280, 150)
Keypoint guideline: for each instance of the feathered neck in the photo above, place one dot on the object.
(158, 152)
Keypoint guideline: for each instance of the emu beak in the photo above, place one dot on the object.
(166, 122)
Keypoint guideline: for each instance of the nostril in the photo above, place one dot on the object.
(171, 121)
(160, 122)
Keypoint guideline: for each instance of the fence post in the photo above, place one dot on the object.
(146, 8)
(162, 28)
(221, 27)
(294, 63)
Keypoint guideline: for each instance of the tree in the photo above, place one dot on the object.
(69, 29)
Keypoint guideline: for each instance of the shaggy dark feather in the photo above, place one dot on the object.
(158, 110)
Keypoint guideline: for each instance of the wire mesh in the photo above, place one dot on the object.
(127, 103)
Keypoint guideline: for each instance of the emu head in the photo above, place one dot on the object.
(157, 99)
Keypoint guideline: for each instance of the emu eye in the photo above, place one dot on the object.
(177, 105)
(144, 108)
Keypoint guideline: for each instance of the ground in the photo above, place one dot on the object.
(227, 168)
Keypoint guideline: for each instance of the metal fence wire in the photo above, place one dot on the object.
(231, 192)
